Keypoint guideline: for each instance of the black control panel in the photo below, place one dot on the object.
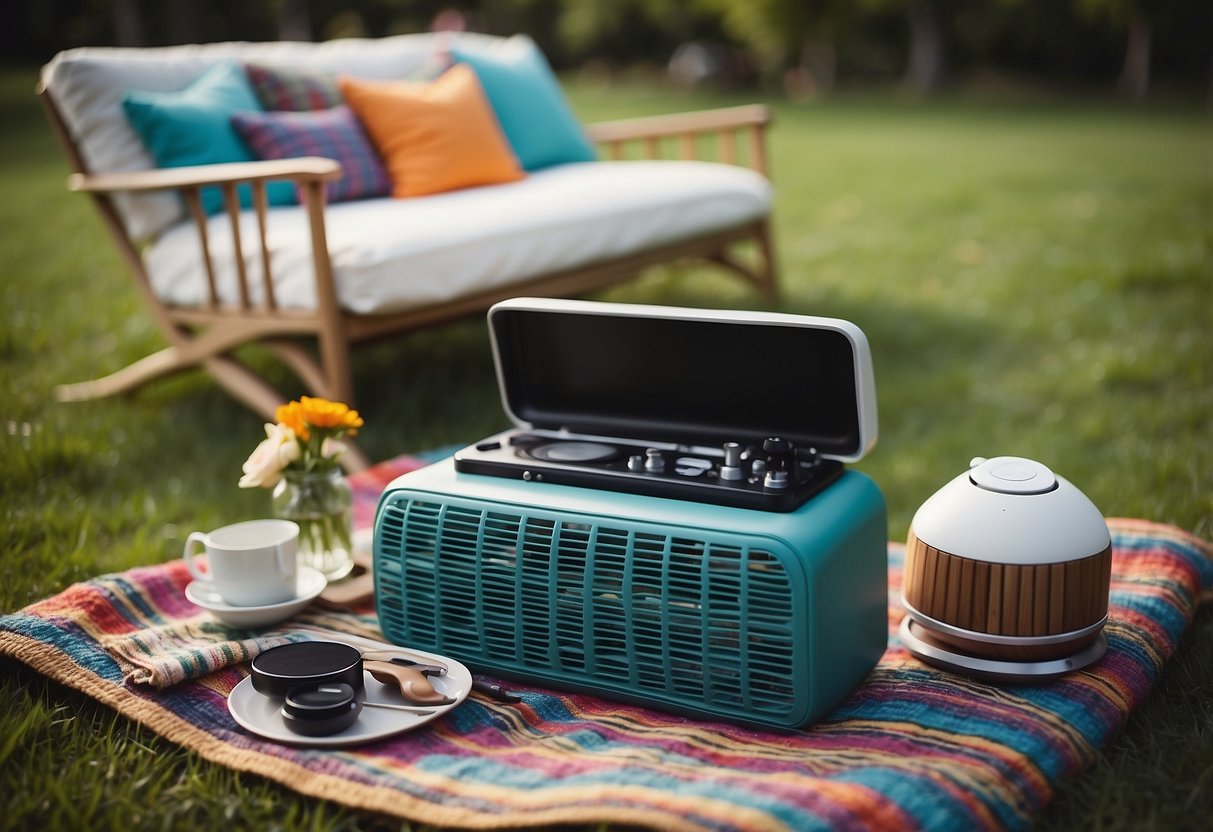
(769, 474)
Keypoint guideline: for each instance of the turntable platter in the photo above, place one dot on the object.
(574, 452)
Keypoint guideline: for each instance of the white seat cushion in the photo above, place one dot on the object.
(390, 255)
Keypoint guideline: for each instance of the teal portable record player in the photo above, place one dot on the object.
(670, 523)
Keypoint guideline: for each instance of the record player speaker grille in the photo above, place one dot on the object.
(704, 620)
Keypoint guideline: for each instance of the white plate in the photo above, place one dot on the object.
(309, 583)
(262, 715)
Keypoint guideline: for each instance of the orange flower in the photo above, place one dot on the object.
(291, 415)
(321, 414)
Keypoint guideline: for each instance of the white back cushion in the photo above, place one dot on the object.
(88, 85)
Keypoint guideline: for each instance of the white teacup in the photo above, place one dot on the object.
(250, 564)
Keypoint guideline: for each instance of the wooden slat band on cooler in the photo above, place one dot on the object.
(1007, 599)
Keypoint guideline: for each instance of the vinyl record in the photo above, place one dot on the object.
(574, 452)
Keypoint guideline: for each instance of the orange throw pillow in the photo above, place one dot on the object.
(435, 136)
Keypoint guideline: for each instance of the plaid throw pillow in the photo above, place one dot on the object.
(334, 133)
(279, 88)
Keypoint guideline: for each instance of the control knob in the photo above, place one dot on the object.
(731, 469)
(653, 462)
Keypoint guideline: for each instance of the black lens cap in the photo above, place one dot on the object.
(321, 710)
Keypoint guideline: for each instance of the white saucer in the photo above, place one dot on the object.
(309, 583)
(262, 715)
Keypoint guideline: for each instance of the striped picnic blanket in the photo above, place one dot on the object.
(911, 747)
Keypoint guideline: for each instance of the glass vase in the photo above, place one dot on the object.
(322, 503)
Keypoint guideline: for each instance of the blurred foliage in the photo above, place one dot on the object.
(922, 43)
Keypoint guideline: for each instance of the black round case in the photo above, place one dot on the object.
(279, 670)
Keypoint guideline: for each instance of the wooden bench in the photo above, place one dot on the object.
(239, 292)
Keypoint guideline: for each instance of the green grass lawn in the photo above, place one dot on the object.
(1035, 278)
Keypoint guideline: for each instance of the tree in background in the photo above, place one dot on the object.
(590, 25)
(128, 24)
(294, 23)
(925, 67)
(926, 27)
(629, 31)
(793, 40)
(1133, 17)
(805, 40)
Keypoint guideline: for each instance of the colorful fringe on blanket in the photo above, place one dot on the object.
(912, 747)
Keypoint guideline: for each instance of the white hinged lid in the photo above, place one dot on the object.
(687, 376)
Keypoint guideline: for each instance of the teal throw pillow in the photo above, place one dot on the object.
(528, 102)
(193, 127)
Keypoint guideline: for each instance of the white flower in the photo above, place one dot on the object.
(264, 466)
(332, 448)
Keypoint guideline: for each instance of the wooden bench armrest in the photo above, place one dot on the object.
(302, 169)
(702, 121)
(687, 131)
(309, 173)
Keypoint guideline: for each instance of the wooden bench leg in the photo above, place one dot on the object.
(305, 367)
(762, 274)
(768, 278)
(234, 377)
(157, 364)
(245, 386)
